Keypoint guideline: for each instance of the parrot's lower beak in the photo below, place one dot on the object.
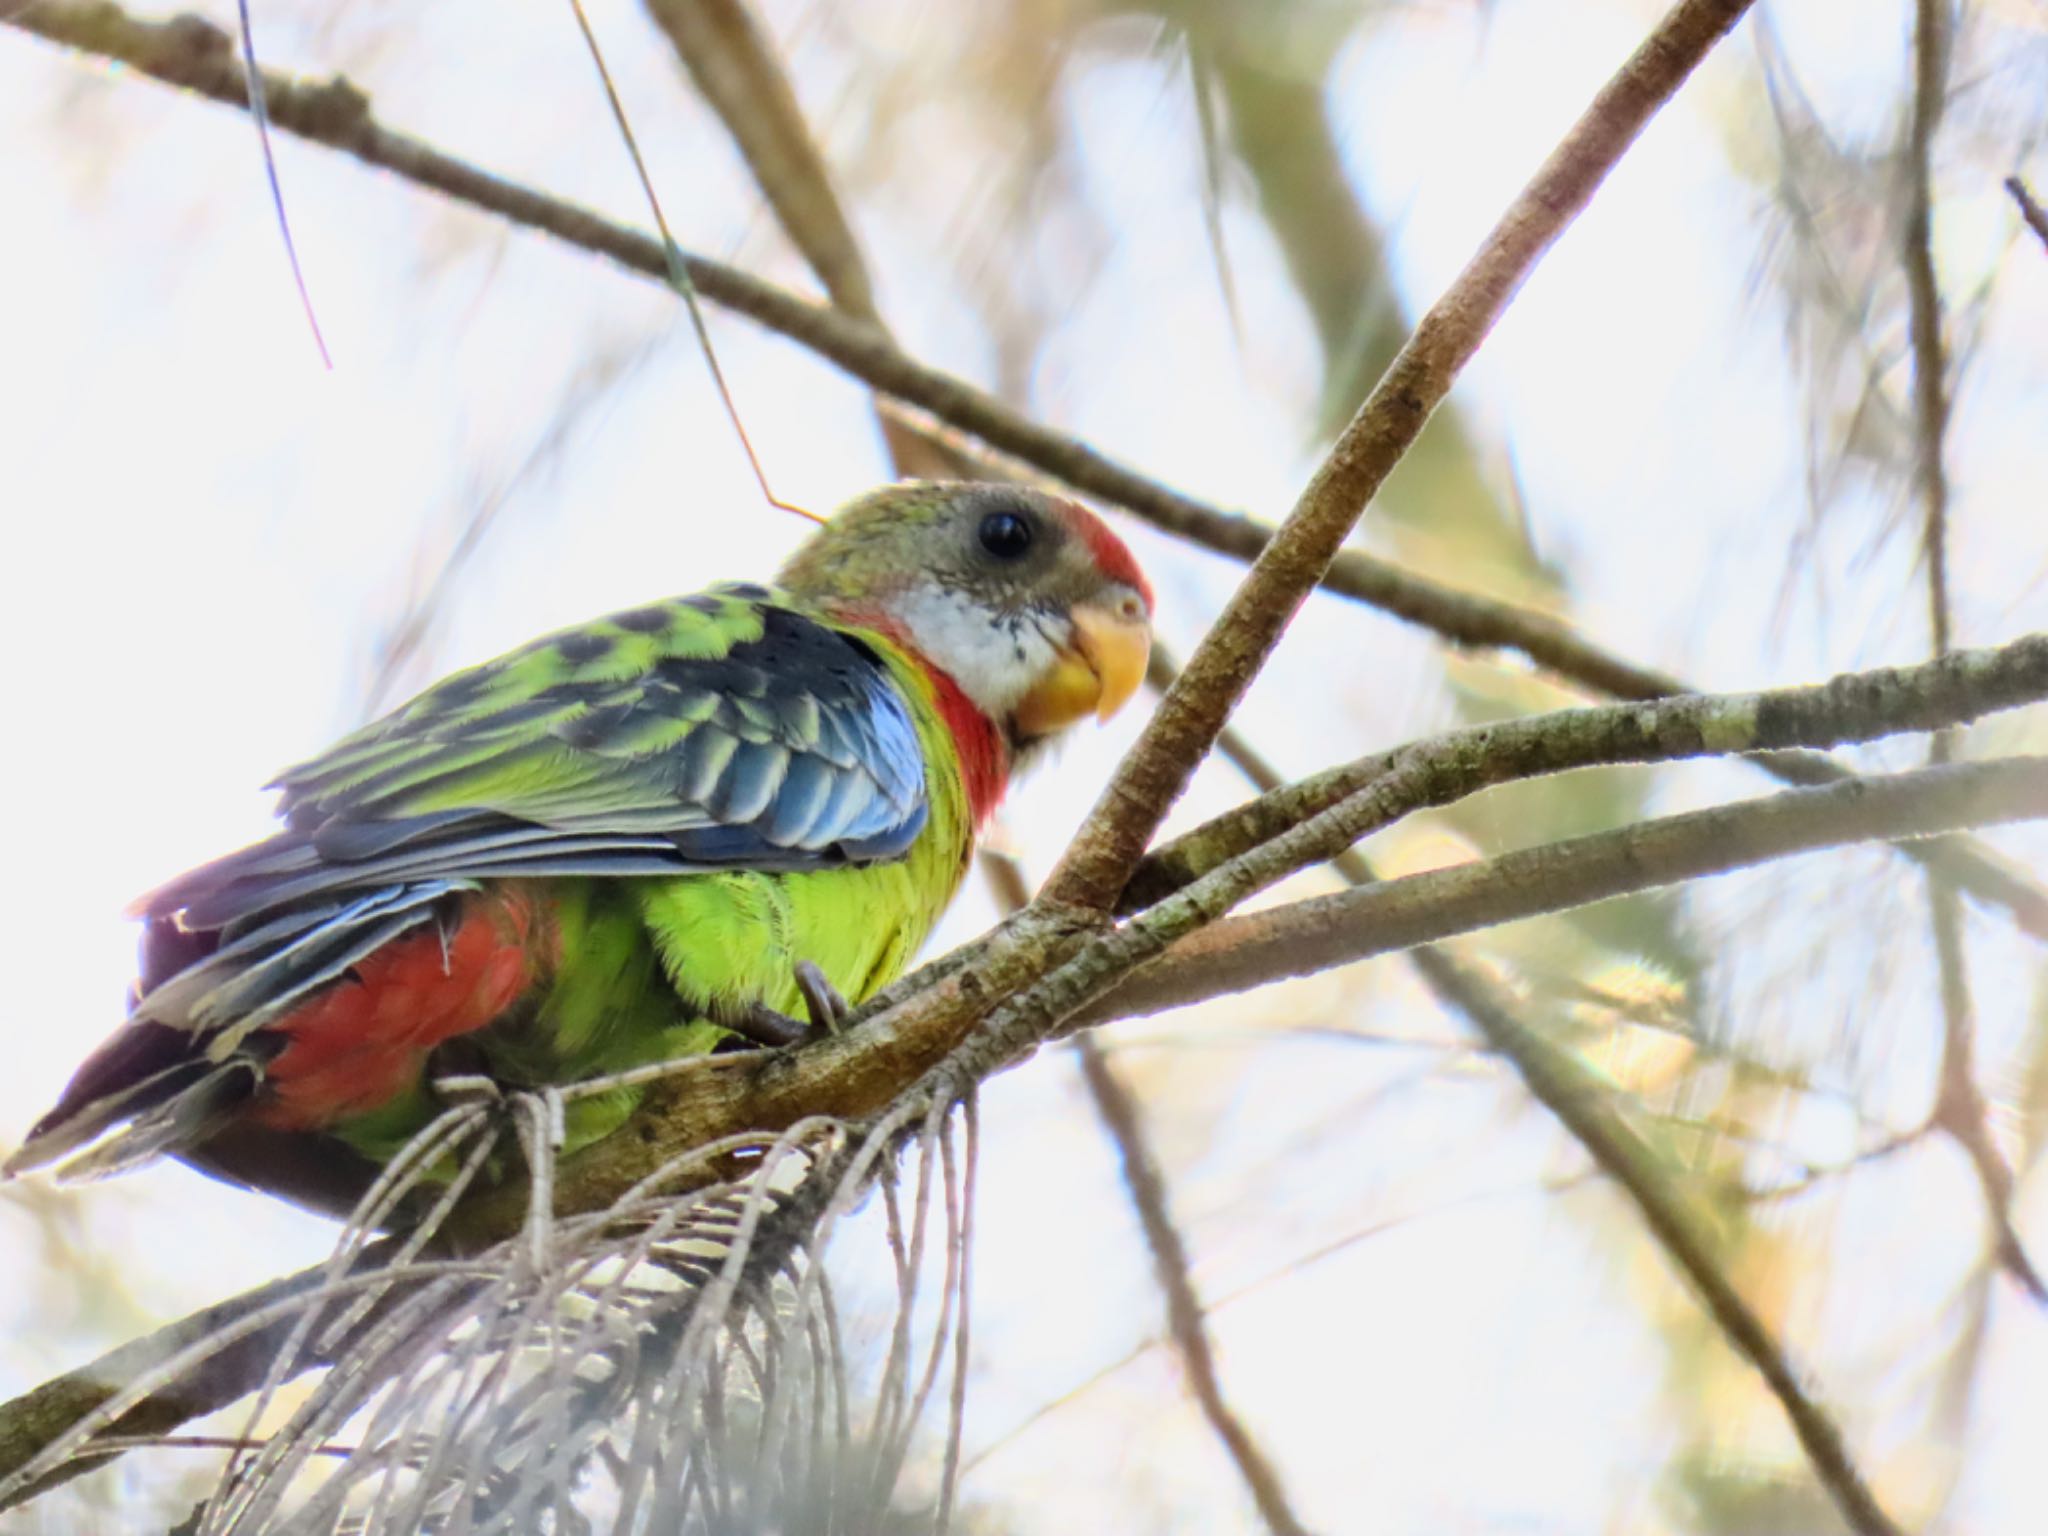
(1098, 676)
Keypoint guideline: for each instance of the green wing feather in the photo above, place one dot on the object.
(493, 735)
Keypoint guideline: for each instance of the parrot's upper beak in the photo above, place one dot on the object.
(1098, 676)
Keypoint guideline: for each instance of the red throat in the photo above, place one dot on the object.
(984, 757)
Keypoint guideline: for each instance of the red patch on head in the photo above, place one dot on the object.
(364, 1039)
(1111, 556)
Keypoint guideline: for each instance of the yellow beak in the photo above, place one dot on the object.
(1097, 677)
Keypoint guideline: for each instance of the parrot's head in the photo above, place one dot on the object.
(1027, 602)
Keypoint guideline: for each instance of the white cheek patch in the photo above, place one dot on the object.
(995, 658)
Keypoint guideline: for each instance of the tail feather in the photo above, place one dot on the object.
(145, 1073)
(190, 1051)
(208, 1092)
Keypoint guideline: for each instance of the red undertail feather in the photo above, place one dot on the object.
(364, 1039)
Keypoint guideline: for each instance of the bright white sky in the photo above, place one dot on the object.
(206, 534)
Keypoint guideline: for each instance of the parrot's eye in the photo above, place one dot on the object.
(1005, 535)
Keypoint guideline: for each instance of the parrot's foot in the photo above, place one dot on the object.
(759, 1025)
(828, 1010)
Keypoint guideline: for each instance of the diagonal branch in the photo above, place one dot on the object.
(736, 71)
(1568, 1090)
(738, 74)
(38, 1419)
(2030, 210)
(190, 53)
(1181, 731)
(1923, 298)
(1184, 1320)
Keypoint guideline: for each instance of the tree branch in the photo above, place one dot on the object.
(1119, 1115)
(734, 69)
(1313, 935)
(37, 1419)
(1856, 706)
(1923, 298)
(738, 74)
(1103, 853)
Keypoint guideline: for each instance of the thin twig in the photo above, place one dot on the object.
(676, 268)
(2030, 210)
(269, 153)
(190, 53)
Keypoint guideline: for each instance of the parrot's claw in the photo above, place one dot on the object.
(828, 1010)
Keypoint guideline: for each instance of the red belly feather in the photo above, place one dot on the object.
(364, 1039)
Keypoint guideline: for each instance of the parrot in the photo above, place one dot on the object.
(663, 833)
